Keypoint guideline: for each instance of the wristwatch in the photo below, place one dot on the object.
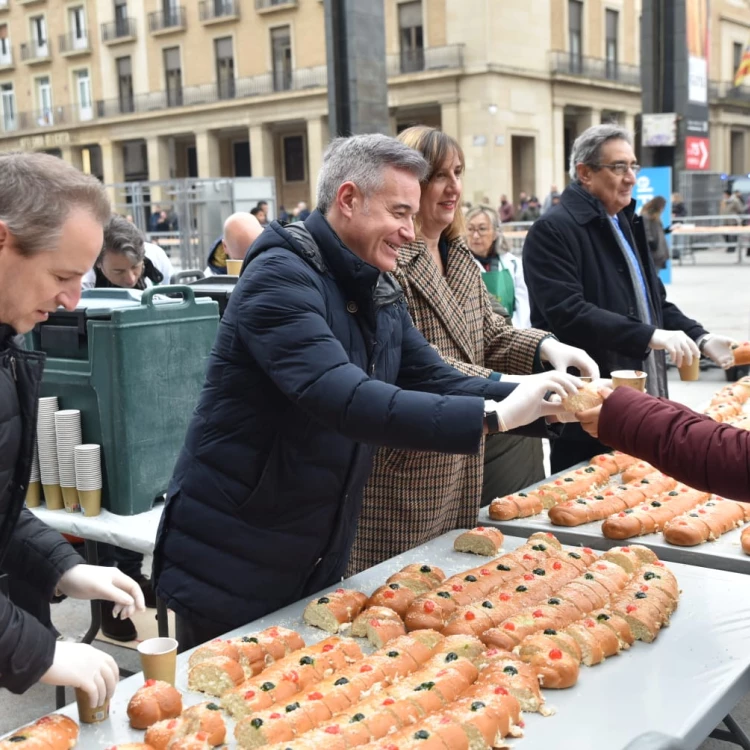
(703, 340)
(492, 422)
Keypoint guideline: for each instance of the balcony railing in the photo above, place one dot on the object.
(35, 52)
(422, 59)
(218, 10)
(70, 44)
(727, 91)
(269, 4)
(565, 63)
(6, 60)
(187, 96)
(120, 30)
(167, 20)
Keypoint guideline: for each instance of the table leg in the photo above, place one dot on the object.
(735, 734)
(92, 557)
(60, 699)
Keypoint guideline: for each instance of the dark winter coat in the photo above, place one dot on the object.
(29, 549)
(690, 447)
(316, 363)
(581, 290)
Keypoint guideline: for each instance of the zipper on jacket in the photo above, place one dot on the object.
(13, 368)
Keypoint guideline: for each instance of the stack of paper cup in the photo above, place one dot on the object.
(47, 444)
(68, 434)
(33, 492)
(88, 465)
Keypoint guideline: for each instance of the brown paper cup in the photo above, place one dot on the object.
(159, 659)
(86, 713)
(70, 498)
(630, 378)
(91, 502)
(53, 496)
(691, 371)
(34, 495)
(234, 267)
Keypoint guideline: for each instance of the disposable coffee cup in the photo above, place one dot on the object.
(691, 371)
(70, 499)
(159, 659)
(234, 267)
(630, 378)
(91, 502)
(34, 495)
(88, 714)
(53, 497)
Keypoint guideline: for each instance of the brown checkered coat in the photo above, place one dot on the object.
(413, 497)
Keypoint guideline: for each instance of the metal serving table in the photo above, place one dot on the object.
(682, 685)
(723, 554)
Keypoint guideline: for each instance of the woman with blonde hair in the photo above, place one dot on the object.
(412, 497)
(490, 250)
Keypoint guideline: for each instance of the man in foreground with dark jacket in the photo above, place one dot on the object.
(593, 284)
(316, 362)
(51, 220)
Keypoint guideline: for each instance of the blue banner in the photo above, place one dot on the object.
(653, 181)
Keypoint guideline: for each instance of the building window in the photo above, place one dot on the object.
(44, 101)
(39, 36)
(83, 91)
(8, 100)
(171, 11)
(125, 84)
(5, 54)
(737, 50)
(575, 35)
(411, 36)
(613, 22)
(294, 158)
(281, 52)
(173, 73)
(224, 67)
(77, 22)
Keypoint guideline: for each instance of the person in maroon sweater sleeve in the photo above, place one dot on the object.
(691, 447)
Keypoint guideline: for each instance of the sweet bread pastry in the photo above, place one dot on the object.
(330, 611)
(741, 351)
(745, 540)
(55, 732)
(637, 470)
(154, 701)
(258, 650)
(431, 574)
(215, 676)
(396, 596)
(132, 746)
(203, 717)
(555, 667)
(292, 675)
(597, 641)
(518, 678)
(197, 741)
(706, 522)
(519, 505)
(615, 462)
(379, 625)
(482, 540)
(586, 398)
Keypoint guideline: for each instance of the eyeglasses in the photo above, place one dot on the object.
(620, 167)
(478, 230)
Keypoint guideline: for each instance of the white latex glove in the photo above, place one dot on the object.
(79, 665)
(680, 347)
(719, 349)
(527, 402)
(561, 357)
(98, 582)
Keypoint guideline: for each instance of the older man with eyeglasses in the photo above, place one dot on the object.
(593, 284)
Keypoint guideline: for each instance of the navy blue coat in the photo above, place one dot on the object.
(316, 362)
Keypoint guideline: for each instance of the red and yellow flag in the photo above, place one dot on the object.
(743, 72)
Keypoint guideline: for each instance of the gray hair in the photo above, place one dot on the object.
(361, 159)
(122, 237)
(499, 244)
(37, 194)
(587, 147)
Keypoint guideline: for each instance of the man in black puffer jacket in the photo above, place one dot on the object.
(316, 362)
(51, 219)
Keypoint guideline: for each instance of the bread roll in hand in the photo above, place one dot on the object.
(587, 398)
